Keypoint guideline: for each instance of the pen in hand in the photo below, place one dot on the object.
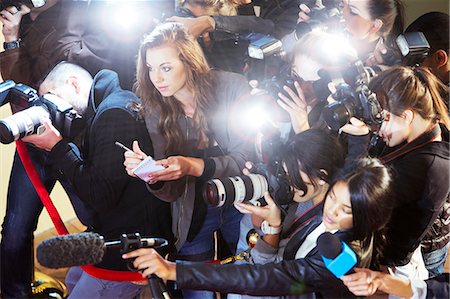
(123, 146)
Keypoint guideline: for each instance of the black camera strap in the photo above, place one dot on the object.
(422, 140)
(303, 219)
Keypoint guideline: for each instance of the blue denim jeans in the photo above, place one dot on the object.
(82, 285)
(435, 260)
(23, 207)
(201, 248)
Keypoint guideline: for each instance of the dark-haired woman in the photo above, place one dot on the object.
(188, 109)
(414, 112)
(311, 160)
(370, 22)
(356, 209)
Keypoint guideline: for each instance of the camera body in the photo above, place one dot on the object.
(274, 85)
(32, 108)
(16, 3)
(354, 101)
(321, 17)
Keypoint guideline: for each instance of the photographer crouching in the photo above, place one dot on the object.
(121, 204)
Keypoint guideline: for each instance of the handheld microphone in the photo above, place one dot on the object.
(85, 249)
(89, 248)
(338, 257)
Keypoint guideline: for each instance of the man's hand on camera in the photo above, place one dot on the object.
(11, 18)
(48, 139)
(296, 107)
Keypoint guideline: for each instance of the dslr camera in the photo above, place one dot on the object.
(355, 100)
(16, 3)
(269, 175)
(321, 17)
(32, 108)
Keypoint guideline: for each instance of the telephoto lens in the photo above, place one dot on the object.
(22, 124)
(227, 191)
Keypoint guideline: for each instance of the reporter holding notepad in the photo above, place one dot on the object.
(188, 111)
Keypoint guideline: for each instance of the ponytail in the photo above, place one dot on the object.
(402, 88)
(436, 88)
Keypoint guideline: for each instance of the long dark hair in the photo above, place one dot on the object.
(417, 89)
(312, 151)
(199, 79)
(392, 13)
(369, 183)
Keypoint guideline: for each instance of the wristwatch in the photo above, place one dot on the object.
(12, 45)
(270, 230)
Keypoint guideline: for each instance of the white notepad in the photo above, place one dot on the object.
(146, 167)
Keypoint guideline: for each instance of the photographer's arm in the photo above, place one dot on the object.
(274, 279)
(98, 178)
(225, 27)
(14, 64)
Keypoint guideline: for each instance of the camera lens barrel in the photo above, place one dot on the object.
(21, 124)
(226, 191)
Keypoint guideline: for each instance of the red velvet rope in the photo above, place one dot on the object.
(61, 229)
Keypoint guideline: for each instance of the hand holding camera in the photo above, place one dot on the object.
(46, 138)
(296, 106)
(270, 212)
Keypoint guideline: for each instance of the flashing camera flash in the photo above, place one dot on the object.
(264, 47)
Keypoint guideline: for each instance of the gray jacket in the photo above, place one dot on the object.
(230, 89)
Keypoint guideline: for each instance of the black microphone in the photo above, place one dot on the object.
(84, 249)
(89, 248)
(338, 257)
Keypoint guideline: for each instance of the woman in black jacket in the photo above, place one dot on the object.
(356, 210)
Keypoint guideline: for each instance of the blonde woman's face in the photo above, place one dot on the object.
(166, 70)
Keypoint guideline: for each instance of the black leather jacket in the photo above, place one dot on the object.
(287, 278)
(278, 18)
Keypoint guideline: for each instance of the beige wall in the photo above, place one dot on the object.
(414, 8)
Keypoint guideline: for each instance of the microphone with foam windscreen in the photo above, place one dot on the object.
(338, 257)
(89, 248)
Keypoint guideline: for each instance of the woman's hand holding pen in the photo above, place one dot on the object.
(133, 158)
(177, 167)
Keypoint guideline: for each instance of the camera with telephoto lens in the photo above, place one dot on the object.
(268, 175)
(354, 100)
(16, 3)
(324, 17)
(32, 108)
